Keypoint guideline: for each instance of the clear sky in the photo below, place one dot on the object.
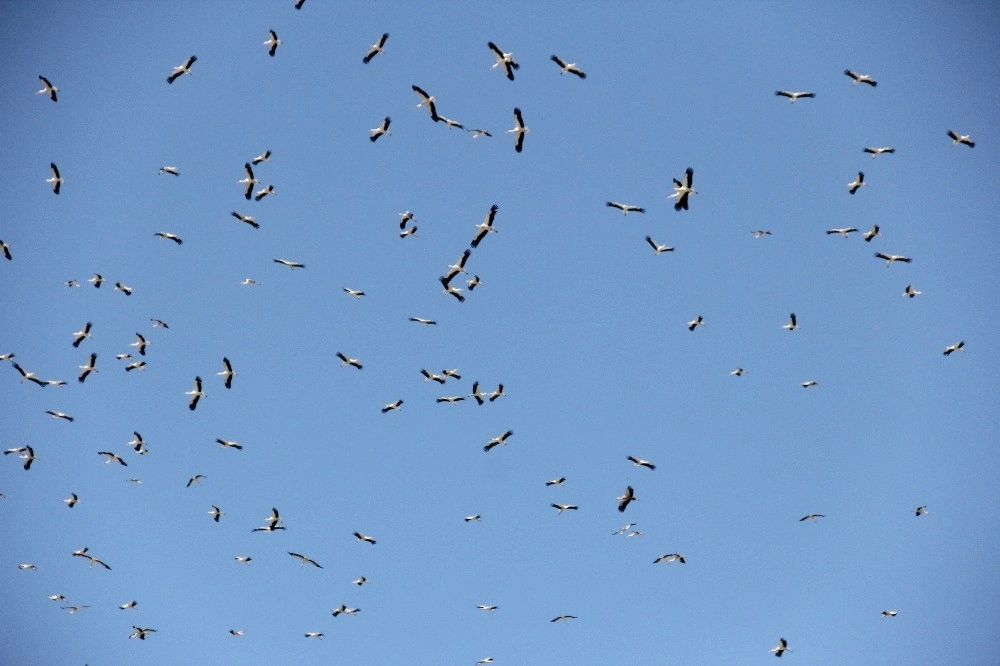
(585, 327)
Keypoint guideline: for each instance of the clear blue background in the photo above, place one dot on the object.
(583, 325)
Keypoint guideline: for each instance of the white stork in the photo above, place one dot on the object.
(305, 560)
(353, 292)
(227, 372)
(364, 538)
(216, 513)
(140, 343)
(657, 248)
(55, 178)
(342, 609)
(519, 130)
(563, 618)
(505, 59)
(248, 180)
(229, 444)
(129, 605)
(72, 500)
(920, 511)
(263, 192)
(141, 633)
(911, 292)
(623, 500)
(196, 480)
(695, 323)
(431, 377)
(813, 517)
(166, 235)
(890, 258)
(781, 648)
(958, 346)
(473, 518)
(425, 322)
(889, 613)
(487, 607)
(182, 69)
(792, 96)
(639, 462)
(499, 439)
(6, 251)
(246, 219)
(347, 360)
(196, 394)
(843, 231)
(97, 279)
(290, 264)
(872, 233)
(81, 335)
(670, 558)
(263, 157)
(458, 266)
(564, 507)
(568, 67)
(272, 43)
(760, 233)
(426, 100)
(88, 368)
(315, 634)
(112, 457)
(124, 288)
(793, 323)
(392, 406)
(451, 399)
(682, 190)
(448, 289)
(625, 208)
(556, 482)
(376, 132)
(47, 89)
(485, 227)
(59, 415)
(172, 170)
(857, 183)
(809, 384)
(875, 152)
(860, 78)
(496, 393)
(376, 48)
(412, 231)
(957, 138)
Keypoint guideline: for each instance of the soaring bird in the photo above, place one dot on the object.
(451, 399)
(6, 251)
(112, 457)
(263, 157)
(315, 634)
(128, 605)
(172, 170)
(364, 538)
(639, 462)
(196, 479)
(920, 511)
(809, 384)
(781, 648)
(890, 258)
(376, 132)
(48, 89)
(657, 248)
(291, 264)
(448, 289)
(956, 139)
(670, 558)
(505, 59)
(90, 558)
(141, 633)
(857, 183)
(361, 580)
(246, 219)
(872, 233)
(624, 500)
(563, 618)
(451, 123)
(140, 344)
(910, 291)
(958, 346)
(227, 372)
(499, 439)
(229, 444)
(241, 632)
(496, 393)
(875, 152)
(81, 335)
(568, 67)
(392, 406)
(812, 516)
(485, 227)
(860, 78)
(843, 231)
(182, 69)
(425, 322)
(376, 48)
(272, 521)
(473, 518)
(625, 208)
(695, 323)
(272, 43)
(556, 482)
(427, 101)
(55, 178)
(196, 394)
(519, 130)
(412, 231)
(682, 190)
(432, 377)
(342, 609)
(347, 360)
(760, 233)
(87, 369)
(303, 560)
(889, 613)
(458, 266)
(564, 507)
(216, 513)
(248, 181)
(165, 235)
(28, 376)
(60, 415)
(792, 96)
(793, 323)
(97, 280)
(476, 133)
(263, 192)
(476, 394)
(27, 566)
(486, 607)
(72, 500)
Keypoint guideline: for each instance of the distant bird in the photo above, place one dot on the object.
(499, 439)
(448, 289)
(243, 559)
(227, 373)
(476, 394)
(890, 258)
(263, 192)
(25, 453)
(169, 236)
(505, 59)
(81, 335)
(90, 558)
(272, 523)
(216, 513)
(496, 393)
(843, 231)
(57, 597)
(128, 605)
(472, 518)
(875, 152)
(857, 183)
(196, 479)
(812, 516)
(124, 288)
(249, 282)
(246, 219)
(639, 462)
(364, 537)
(485, 227)
(910, 291)
(432, 377)
(248, 180)
(55, 179)
(27, 376)
(563, 618)
(380, 130)
(625, 208)
(263, 157)
(682, 190)
(342, 609)
(556, 482)
(695, 323)
(72, 283)
(361, 580)
(405, 217)
(140, 344)
(624, 500)
(792, 96)
(376, 48)
(112, 457)
(486, 607)
(451, 399)
(141, 633)
(299, 3)
(347, 360)
(476, 133)
(473, 282)
(426, 101)
(793, 323)
(72, 500)
(920, 511)
(392, 406)
(303, 560)
(458, 266)
(657, 248)
(958, 346)
(138, 443)
(670, 558)
(564, 507)
(451, 123)
(272, 43)
(48, 89)
(97, 279)
(860, 78)
(74, 609)
(229, 444)
(87, 369)
(781, 648)
(889, 613)
(568, 67)
(956, 139)
(172, 170)
(425, 322)
(872, 233)
(519, 130)
(452, 372)
(241, 632)
(196, 394)
(27, 566)
(291, 264)
(315, 634)
(809, 384)
(760, 233)
(484, 660)
(182, 69)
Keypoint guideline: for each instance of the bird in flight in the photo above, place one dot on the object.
(347, 360)
(872, 233)
(956, 139)
(55, 178)
(519, 130)
(860, 78)
(112, 457)
(639, 462)
(196, 394)
(376, 48)
(628, 496)
(657, 248)
(485, 227)
(272, 43)
(695, 323)
(670, 558)
(568, 67)
(364, 537)
(165, 235)
(48, 89)
(844, 231)
(81, 335)
(890, 258)
(216, 513)
(856, 184)
(958, 346)
(911, 292)
(563, 618)
(499, 439)
(227, 372)
(793, 323)
(781, 648)
(793, 96)
(682, 190)
(182, 69)
(564, 507)
(172, 170)
(72, 500)
(87, 369)
(141, 633)
(249, 181)
(392, 406)
(625, 208)
(812, 516)
(427, 101)
(303, 560)
(875, 152)
(505, 59)
(376, 132)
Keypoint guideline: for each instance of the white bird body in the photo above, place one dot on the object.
(857, 183)
(658, 248)
(376, 48)
(683, 189)
(184, 68)
(568, 67)
(272, 43)
(505, 59)
(957, 138)
(793, 96)
(857, 78)
(48, 89)
(519, 130)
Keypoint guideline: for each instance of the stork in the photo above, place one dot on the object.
(112, 457)
(72, 500)
(55, 178)
(760, 233)
(889, 613)
(956, 139)
(473, 518)
(59, 415)
(568, 67)
(216, 513)
(376, 132)
(196, 480)
(781, 648)
(458, 266)
(499, 439)
(958, 346)
(290, 264)
(875, 152)
(625, 208)
(623, 500)
(427, 101)
(556, 482)
(432, 377)
(26, 375)
(246, 219)
(860, 78)
(88, 368)
(140, 343)
(248, 180)
(376, 48)
(272, 43)
(910, 291)
(496, 393)
(392, 406)
(364, 538)
(124, 288)
(141, 633)
(920, 511)
(129, 605)
(695, 323)
(448, 289)
(182, 69)
(347, 360)
(303, 560)
(563, 618)
(519, 130)
(505, 59)
(564, 507)
(639, 462)
(890, 258)
(843, 231)
(169, 236)
(872, 233)
(229, 444)
(315, 634)
(792, 324)
(476, 394)
(657, 248)
(263, 157)
(172, 170)
(682, 190)
(486, 607)
(97, 280)
(81, 335)
(342, 609)
(196, 394)
(263, 192)
(451, 399)
(425, 322)
(809, 384)
(670, 558)
(227, 372)
(857, 183)
(485, 227)
(48, 89)
(812, 517)
(792, 96)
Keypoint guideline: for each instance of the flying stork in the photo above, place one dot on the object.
(956, 139)
(141, 633)
(263, 157)
(81, 335)
(625, 208)
(812, 517)
(305, 560)
(890, 258)
(263, 192)
(451, 399)
(291, 264)
(910, 291)
(519, 130)
(792, 96)
(6, 251)
(499, 439)
(315, 634)
(425, 322)
(958, 346)
(473, 518)
(781, 648)
(165, 235)
(760, 233)
(216, 513)
(196, 479)
(556, 482)
(227, 372)
(59, 415)
(485, 227)
(563, 618)
(431, 377)
(624, 500)
(568, 67)
(564, 507)
(792, 324)
(246, 219)
(376, 48)
(920, 511)
(248, 180)
(505, 59)
(87, 369)
(347, 360)
(809, 384)
(426, 100)
(670, 558)
(55, 179)
(27, 376)
(657, 248)
(112, 457)
(889, 613)
(448, 289)
(376, 132)
(182, 69)
(875, 152)
(682, 190)
(229, 444)
(72, 500)
(272, 43)
(496, 393)
(196, 394)
(97, 279)
(392, 406)
(342, 609)
(140, 343)
(872, 233)
(172, 170)
(695, 323)
(857, 183)
(364, 538)
(47, 89)
(129, 605)
(124, 288)
(860, 78)
(843, 231)
(639, 462)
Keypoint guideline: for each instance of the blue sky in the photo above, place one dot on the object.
(585, 327)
